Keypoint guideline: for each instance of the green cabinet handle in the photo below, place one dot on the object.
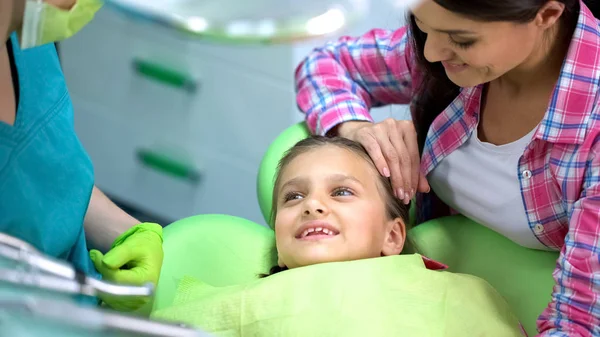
(164, 74)
(165, 164)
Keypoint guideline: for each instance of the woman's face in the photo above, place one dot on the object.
(474, 52)
(330, 208)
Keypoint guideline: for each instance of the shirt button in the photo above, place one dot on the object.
(526, 174)
(538, 229)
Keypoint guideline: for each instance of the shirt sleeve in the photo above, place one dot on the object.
(344, 79)
(575, 307)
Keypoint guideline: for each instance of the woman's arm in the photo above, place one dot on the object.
(341, 81)
(105, 221)
(575, 307)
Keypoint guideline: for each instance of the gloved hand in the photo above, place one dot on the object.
(135, 258)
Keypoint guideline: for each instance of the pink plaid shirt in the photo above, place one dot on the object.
(559, 171)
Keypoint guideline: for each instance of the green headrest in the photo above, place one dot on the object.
(268, 165)
(218, 249)
(522, 275)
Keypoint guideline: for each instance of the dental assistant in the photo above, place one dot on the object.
(47, 192)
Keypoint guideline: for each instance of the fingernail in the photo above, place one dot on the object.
(386, 172)
(407, 200)
(412, 193)
(400, 193)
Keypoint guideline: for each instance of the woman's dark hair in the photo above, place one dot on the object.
(436, 91)
(395, 208)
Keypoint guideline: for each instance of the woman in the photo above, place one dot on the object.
(47, 192)
(504, 100)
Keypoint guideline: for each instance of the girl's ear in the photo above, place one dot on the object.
(395, 237)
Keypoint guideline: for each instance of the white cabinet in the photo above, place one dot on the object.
(134, 124)
(177, 126)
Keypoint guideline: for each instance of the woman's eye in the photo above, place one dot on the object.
(461, 44)
(342, 192)
(292, 196)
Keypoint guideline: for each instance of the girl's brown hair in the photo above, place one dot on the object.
(395, 208)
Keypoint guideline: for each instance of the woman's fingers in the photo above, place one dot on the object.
(392, 145)
(369, 142)
(393, 161)
(404, 165)
(409, 136)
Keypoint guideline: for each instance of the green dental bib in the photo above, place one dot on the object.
(388, 296)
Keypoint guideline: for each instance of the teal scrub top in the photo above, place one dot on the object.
(46, 177)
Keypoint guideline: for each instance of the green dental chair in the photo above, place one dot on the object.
(223, 250)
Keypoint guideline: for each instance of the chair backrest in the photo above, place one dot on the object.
(268, 166)
(218, 249)
(523, 276)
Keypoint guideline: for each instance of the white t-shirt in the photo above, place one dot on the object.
(481, 181)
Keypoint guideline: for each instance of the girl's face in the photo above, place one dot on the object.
(330, 208)
(475, 52)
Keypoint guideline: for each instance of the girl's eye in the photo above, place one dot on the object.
(291, 196)
(461, 45)
(342, 192)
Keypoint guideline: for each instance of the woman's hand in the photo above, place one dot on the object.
(135, 258)
(392, 144)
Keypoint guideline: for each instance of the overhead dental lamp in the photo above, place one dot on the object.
(252, 21)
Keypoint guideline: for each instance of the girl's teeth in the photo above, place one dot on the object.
(318, 230)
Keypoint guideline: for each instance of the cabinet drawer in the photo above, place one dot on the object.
(101, 63)
(124, 170)
(141, 91)
(163, 84)
(100, 49)
(271, 60)
(94, 62)
(239, 113)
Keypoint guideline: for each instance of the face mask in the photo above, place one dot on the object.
(44, 23)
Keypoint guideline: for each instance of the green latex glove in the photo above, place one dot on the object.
(135, 258)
